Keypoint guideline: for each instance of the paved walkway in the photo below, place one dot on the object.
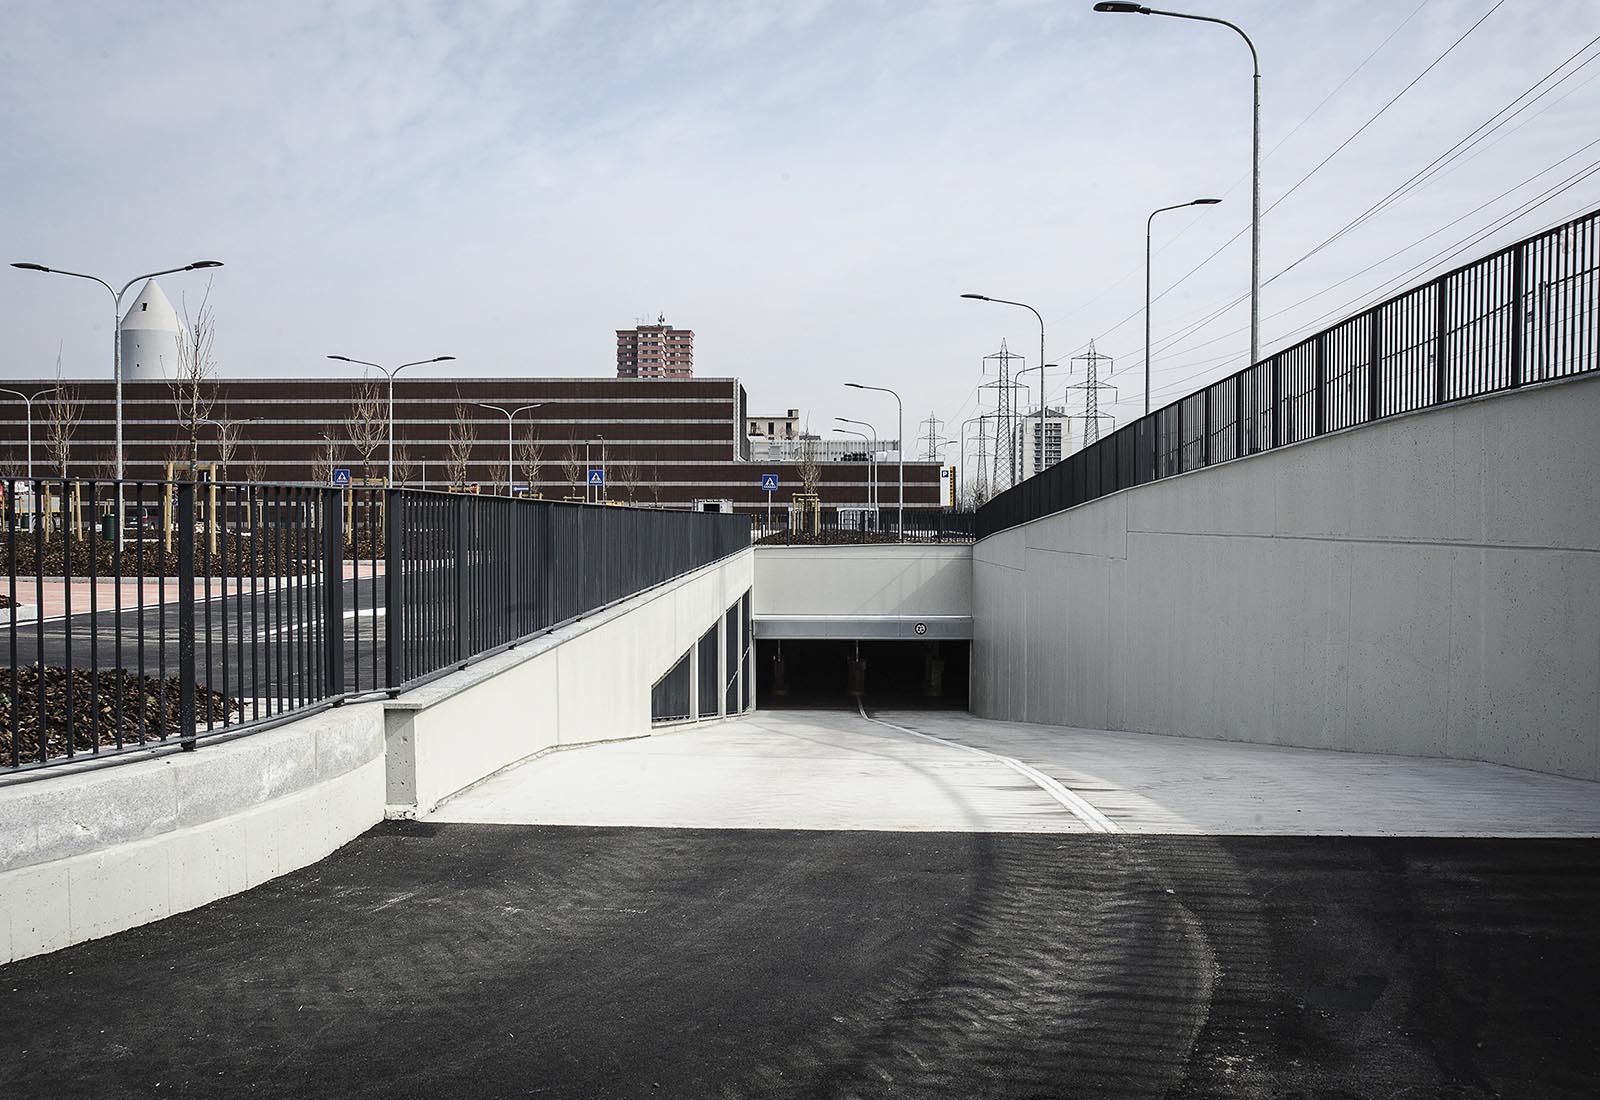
(942, 770)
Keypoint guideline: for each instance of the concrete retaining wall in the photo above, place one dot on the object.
(88, 854)
(879, 590)
(589, 681)
(1429, 586)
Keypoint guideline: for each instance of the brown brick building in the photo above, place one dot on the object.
(655, 351)
(671, 443)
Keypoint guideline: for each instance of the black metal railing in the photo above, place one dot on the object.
(1528, 313)
(860, 525)
(226, 608)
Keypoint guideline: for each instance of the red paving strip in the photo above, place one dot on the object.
(105, 591)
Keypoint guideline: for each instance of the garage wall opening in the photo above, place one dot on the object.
(834, 673)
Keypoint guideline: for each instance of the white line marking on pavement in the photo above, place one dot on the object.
(1072, 802)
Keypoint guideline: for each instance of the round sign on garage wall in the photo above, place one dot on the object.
(921, 628)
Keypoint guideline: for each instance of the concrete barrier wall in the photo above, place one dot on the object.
(1428, 586)
(874, 590)
(88, 854)
(589, 681)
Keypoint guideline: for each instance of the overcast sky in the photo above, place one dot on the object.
(807, 185)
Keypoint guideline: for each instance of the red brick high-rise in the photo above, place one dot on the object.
(655, 351)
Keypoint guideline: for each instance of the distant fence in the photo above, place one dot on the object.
(223, 609)
(1527, 313)
(862, 525)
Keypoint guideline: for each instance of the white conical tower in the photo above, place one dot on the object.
(151, 335)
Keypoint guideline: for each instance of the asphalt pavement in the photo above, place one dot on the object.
(453, 960)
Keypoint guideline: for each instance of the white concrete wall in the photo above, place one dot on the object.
(589, 681)
(1428, 586)
(872, 579)
(87, 854)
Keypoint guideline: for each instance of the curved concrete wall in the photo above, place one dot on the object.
(88, 854)
(1429, 586)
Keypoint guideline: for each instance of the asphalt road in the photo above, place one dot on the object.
(428, 960)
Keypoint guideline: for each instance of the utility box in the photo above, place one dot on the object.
(723, 506)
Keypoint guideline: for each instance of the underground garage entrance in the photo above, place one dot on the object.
(792, 672)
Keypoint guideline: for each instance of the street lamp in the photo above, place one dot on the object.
(871, 465)
(388, 477)
(1041, 365)
(511, 417)
(874, 432)
(900, 430)
(1148, 222)
(116, 341)
(1255, 156)
(29, 402)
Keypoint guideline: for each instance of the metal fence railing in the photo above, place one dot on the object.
(225, 608)
(1528, 313)
(859, 525)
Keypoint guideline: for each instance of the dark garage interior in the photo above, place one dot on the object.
(834, 672)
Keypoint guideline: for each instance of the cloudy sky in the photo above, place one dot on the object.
(808, 185)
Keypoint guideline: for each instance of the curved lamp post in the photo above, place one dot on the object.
(1148, 223)
(874, 433)
(116, 341)
(1039, 367)
(1255, 154)
(388, 477)
(901, 453)
(29, 402)
(511, 416)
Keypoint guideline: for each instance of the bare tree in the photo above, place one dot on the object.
(369, 424)
(61, 417)
(655, 485)
(458, 455)
(572, 466)
(193, 388)
(628, 480)
(529, 458)
(809, 469)
(327, 459)
(255, 470)
(403, 466)
(229, 435)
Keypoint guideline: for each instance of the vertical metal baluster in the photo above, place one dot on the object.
(257, 562)
(68, 532)
(40, 518)
(11, 630)
(94, 621)
(186, 594)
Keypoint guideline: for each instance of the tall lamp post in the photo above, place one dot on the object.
(116, 341)
(388, 477)
(511, 416)
(1255, 154)
(1148, 223)
(874, 433)
(29, 402)
(871, 465)
(900, 430)
(1039, 367)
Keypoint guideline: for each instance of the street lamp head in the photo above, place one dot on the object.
(1122, 9)
(978, 297)
(200, 265)
(32, 267)
(855, 385)
(1205, 202)
(442, 359)
(342, 358)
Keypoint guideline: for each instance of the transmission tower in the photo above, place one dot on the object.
(1091, 387)
(1006, 459)
(931, 437)
(980, 479)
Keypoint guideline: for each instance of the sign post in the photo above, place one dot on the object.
(769, 484)
(597, 482)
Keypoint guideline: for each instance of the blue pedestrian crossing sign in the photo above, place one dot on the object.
(597, 477)
(769, 482)
(341, 477)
